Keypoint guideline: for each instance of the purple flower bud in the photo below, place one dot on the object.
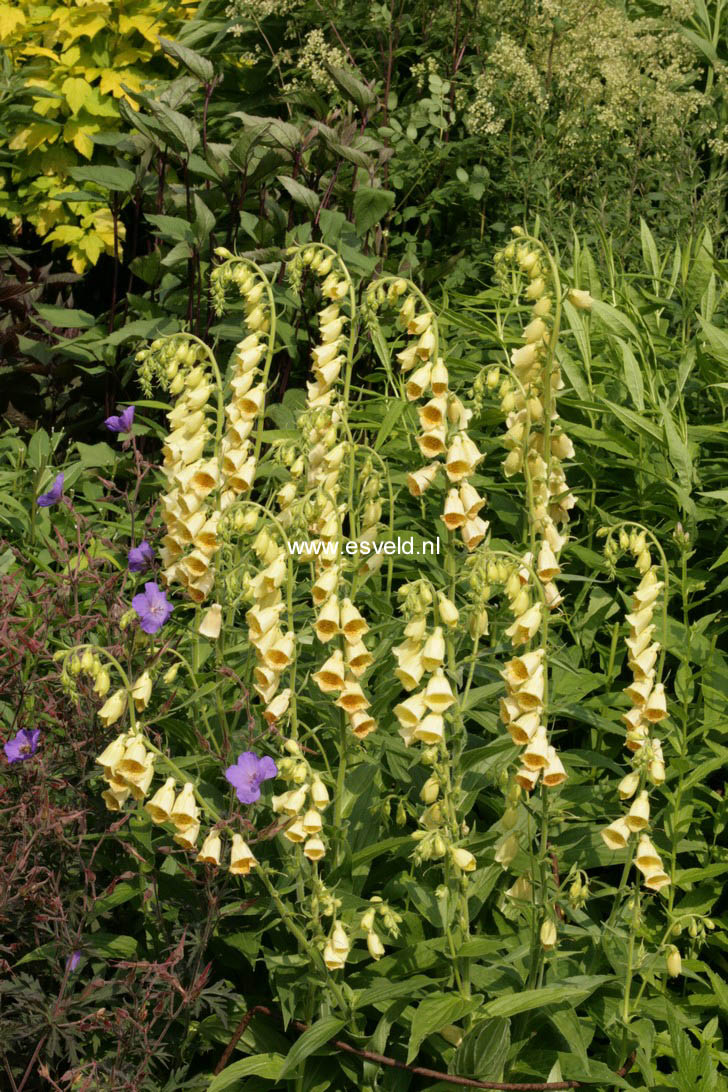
(122, 423)
(140, 557)
(73, 961)
(47, 500)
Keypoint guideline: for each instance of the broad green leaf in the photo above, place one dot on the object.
(370, 206)
(434, 1013)
(274, 130)
(116, 179)
(93, 455)
(571, 992)
(65, 318)
(39, 448)
(352, 87)
(484, 1050)
(267, 1066)
(194, 62)
(301, 194)
(313, 1038)
(111, 946)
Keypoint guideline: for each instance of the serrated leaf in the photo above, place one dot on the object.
(370, 206)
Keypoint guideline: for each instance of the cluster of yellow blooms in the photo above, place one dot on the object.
(275, 649)
(335, 617)
(422, 715)
(248, 392)
(522, 712)
(423, 653)
(537, 445)
(341, 672)
(302, 805)
(128, 769)
(190, 542)
(648, 708)
(443, 419)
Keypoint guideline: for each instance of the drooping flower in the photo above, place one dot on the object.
(47, 500)
(73, 961)
(140, 557)
(23, 745)
(152, 607)
(248, 772)
(122, 422)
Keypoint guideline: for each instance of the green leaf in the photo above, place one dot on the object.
(46, 951)
(176, 124)
(194, 62)
(484, 1050)
(111, 946)
(632, 375)
(39, 448)
(571, 992)
(301, 194)
(613, 319)
(434, 1013)
(123, 892)
(370, 206)
(395, 409)
(93, 455)
(649, 255)
(267, 1066)
(278, 132)
(116, 179)
(351, 87)
(204, 220)
(65, 318)
(312, 1039)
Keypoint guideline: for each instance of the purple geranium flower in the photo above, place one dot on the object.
(140, 557)
(122, 423)
(73, 961)
(152, 607)
(248, 772)
(46, 500)
(23, 745)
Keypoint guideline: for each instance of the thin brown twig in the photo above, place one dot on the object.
(420, 1071)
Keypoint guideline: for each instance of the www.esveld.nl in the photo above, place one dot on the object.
(319, 547)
